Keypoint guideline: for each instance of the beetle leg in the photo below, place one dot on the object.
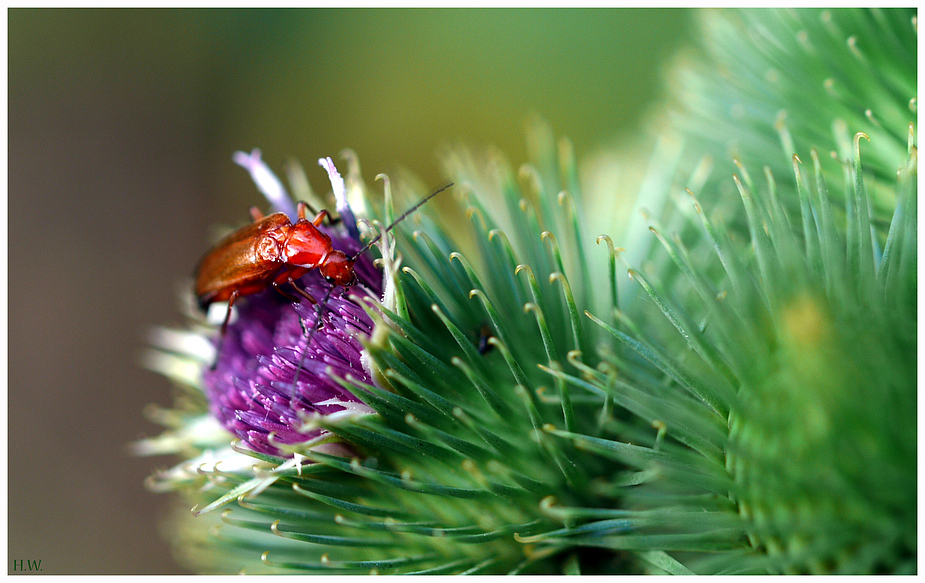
(290, 275)
(303, 209)
(290, 278)
(303, 293)
(277, 286)
(231, 299)
(221, 338)
(319, 218)
(256, 214)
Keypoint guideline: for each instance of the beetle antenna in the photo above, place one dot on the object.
(403, 216)
(311, 334)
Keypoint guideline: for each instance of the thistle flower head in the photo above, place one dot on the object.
(274, 370)
(255, 389)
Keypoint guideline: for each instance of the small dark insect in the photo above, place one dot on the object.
(273, 251)
(484, 335)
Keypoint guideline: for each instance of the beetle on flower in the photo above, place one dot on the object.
(270, 376)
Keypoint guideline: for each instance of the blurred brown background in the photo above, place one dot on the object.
(121, 129)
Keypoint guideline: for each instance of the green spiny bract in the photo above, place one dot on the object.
(778, 82)
(807, 352)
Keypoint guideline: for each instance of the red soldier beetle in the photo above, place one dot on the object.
(273, 251)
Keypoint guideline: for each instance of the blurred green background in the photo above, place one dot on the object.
(121, 129)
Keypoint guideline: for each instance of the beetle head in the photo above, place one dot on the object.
(337, 269)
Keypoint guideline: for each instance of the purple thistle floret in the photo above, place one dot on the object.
(254, 390)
